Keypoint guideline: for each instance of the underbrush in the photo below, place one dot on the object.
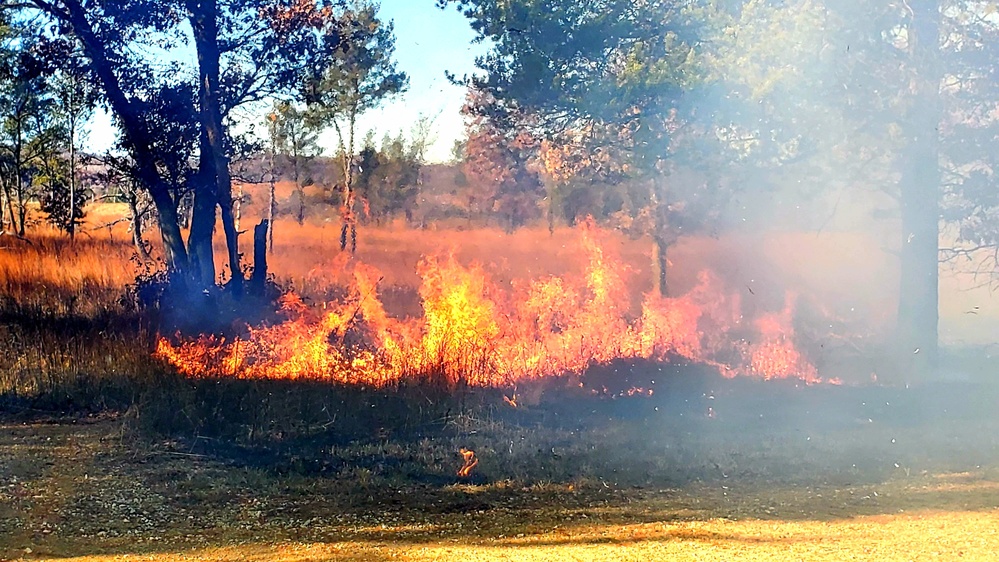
(61, 363)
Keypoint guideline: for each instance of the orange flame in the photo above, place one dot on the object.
(468, 462)
(477, 332)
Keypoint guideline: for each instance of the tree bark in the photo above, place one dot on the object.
(349, 220)
(10, 209)
(258, 279)
(204, 22)
(136, 138)
(237, 205)
(19, 165)
(3, 205)
(271, 204)
(199, 239)
(271, 192)
(72, 174)
(661, 263)
(299, 192)
(661, 237)
(918, 315)
(136, 216)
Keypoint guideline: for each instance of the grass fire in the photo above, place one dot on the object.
(478, 279)
(478, 333)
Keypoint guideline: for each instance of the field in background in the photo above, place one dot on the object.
(852, 275)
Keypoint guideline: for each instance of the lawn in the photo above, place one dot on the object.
(89, 488)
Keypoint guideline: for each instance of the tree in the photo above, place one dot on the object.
(75, 99)
(388, 178)
(246, 50)
(918, 311)
(909, 91)
(118, 175)
(948, 171)
(8, 51)
(497, 162)
(904, 98)
(351, 82)
(612, 74)
(29, 131)
(295, 135)
(51, 183)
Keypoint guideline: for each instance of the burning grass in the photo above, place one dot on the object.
(478, 331)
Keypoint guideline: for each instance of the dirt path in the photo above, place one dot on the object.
(79, 491)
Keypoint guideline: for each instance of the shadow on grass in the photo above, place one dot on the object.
(626, 521)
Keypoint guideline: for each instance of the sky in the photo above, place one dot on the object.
(429, 42)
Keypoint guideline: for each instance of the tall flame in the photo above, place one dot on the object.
(482, 334)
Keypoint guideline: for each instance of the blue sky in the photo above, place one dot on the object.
(429, 42)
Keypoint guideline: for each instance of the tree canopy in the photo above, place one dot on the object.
(820, 96)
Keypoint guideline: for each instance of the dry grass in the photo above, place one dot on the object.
(930, 535)
(90, 491)
(850, 272)
(60, 277)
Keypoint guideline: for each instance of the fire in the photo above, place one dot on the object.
(776, 356)
(468, 462)
(474, 331)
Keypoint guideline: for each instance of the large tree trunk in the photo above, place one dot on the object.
(199, 239)
(136, 138)
(204, 22)
(918, 315)
(258, 280)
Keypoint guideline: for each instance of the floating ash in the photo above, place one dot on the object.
(482, 333)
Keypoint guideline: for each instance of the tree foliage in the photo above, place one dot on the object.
(497, 163)
(29, 129)
(295, 134)
(615, 76)
(352, 81)
(170, 111)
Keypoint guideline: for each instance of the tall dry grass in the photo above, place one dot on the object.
(88, 277)
(309, 257)
(51, 273)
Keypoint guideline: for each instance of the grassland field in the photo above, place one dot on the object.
(106, 454)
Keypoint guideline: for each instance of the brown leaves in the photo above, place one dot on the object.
(285, 19)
